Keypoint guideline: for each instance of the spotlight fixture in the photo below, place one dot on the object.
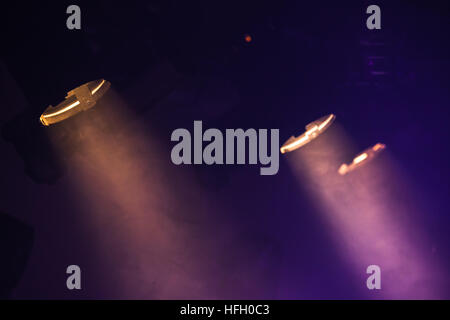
(79, 99)
(313, 130)
(362, 158)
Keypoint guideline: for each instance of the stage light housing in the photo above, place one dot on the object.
(313, 130)
(79, 99)
(362, 158)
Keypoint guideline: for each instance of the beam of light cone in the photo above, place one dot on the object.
(370, 225)
(136, 212)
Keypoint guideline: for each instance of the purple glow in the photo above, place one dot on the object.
(371, 225)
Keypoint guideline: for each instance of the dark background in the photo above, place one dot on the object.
(174, 62)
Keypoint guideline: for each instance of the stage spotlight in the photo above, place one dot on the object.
(79, 99)
(313, 130)
(362, 158)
